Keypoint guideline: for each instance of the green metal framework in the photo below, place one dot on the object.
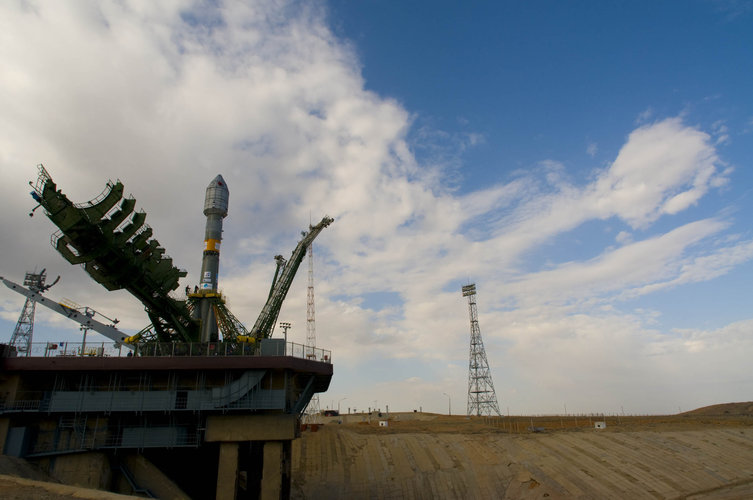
(116, 248)
(283, 279)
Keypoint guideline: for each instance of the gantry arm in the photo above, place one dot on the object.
(108, 331)
(266, 320)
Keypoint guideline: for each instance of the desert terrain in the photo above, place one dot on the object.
(707, 453)
(703, 454)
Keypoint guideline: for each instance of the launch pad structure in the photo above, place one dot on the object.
(195, 405)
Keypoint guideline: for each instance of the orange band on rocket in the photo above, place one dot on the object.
(212, 245)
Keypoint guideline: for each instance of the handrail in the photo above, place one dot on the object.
(167, 349)
(101, 196)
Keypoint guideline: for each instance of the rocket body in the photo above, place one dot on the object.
(215, 209)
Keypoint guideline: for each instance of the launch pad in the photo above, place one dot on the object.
(195, 405)
(167, 409)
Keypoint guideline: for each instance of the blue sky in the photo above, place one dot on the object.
(587, 165)
(533, 80)
(550, 78)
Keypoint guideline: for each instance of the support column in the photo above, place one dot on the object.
(276, 432)
(8, 389)
(287, 467)
(4, 428)
(275, 481)
(227, 471)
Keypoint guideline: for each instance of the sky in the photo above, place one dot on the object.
(585, 164)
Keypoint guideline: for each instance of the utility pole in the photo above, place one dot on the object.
(482, 400)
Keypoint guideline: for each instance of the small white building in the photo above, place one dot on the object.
(600, 425)
(383, 423)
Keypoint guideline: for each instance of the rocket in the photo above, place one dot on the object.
(215, 209)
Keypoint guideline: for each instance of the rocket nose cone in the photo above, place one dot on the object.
(217, 197)
(217, 182)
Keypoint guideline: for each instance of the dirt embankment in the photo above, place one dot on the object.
(706, 453)
(726, 410)
(21, 480)
(680, 456)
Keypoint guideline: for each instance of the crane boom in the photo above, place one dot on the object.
(108, 331)
(266, 320)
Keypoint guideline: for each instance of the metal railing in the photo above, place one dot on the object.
(83, 437)
(171, 349)
(101, 196)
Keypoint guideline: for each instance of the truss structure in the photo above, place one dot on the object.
(24, 330)
(482, 400)
(312, 410)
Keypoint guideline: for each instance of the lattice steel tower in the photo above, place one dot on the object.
(22, 334)
(482, 400)
(312, 410)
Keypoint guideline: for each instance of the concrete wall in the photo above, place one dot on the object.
(272, 427)
(90, 470)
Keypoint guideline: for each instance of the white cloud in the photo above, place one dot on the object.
(663, 169)
(721, 132)
(651, 262)
(644, 116)
(166, 95)
(623, 237)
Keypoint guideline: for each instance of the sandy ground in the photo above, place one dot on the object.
(691, 456)
(17, 488)
(20, 480)
(705, 454)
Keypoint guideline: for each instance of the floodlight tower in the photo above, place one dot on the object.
(312, 410)
(24, 330)
(482, 400)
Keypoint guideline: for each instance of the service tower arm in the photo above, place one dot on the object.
(115, 247)
(263, 327)
(108, 331)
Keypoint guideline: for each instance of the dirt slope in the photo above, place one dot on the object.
(671, 457)
(18, 488)
(727, 409)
